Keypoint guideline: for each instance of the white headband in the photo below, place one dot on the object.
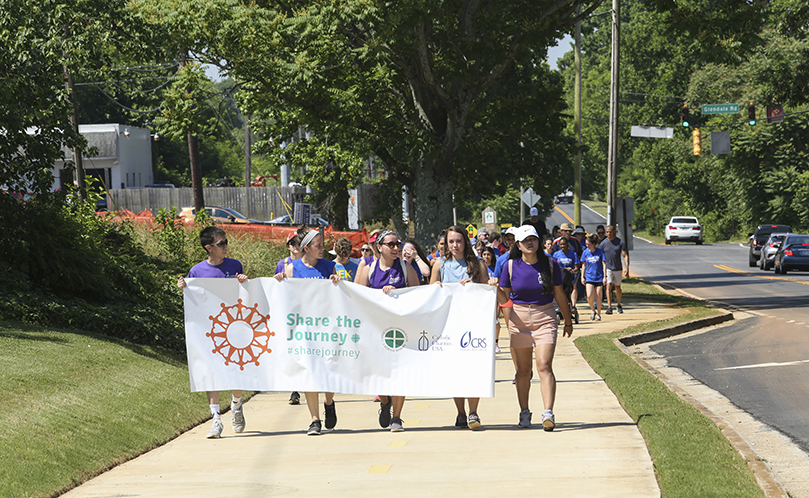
(309, 237)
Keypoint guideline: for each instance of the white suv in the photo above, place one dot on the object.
(683, 228)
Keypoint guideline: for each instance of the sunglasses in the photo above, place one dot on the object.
(600, 233)
(392, 245)
(221, 243)
(366, 249)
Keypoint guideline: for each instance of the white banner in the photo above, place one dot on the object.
(312, 335)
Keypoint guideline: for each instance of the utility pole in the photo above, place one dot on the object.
(248, 158)
(577, 118)
(193, 155)
(612, 155)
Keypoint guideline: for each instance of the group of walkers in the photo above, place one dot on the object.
(528, 280)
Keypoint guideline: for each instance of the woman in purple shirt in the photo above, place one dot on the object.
(312, 265)
(387, 273)
(534, 280)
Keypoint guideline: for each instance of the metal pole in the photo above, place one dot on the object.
(612, 156)
(577, 117)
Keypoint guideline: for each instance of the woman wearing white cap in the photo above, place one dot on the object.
(533, 281)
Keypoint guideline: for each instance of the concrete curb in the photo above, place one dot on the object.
(682, 328)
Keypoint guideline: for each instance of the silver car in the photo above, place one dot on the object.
(766, 259)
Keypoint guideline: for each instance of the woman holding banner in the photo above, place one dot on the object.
(387, 273)
(312, 265)
(460, 265)
(533, 281)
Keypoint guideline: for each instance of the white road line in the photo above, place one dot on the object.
(605, 219)
(764, 365)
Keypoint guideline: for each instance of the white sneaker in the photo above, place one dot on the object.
(216, 429)
(238, 419)
(548, 422)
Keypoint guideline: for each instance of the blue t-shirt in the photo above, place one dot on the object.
(566, 260)
(226, 269)
(323, 269)
(498, 265)
(417, 270)
(490, 269)
(347, 271)
(594, 269)
(526, 282)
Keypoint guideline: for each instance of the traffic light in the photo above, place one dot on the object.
(696, 135)
(685, 115)
(751, 114)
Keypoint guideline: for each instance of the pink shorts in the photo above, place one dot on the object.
(531, 325)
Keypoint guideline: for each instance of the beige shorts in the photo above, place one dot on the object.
(531, 325)
(614, 277)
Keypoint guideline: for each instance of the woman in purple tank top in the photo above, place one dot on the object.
(388, 273)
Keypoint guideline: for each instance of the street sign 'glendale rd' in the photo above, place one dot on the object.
(720, 108)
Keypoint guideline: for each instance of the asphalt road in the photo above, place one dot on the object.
(761, 363)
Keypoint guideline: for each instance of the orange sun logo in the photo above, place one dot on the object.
(240, 334)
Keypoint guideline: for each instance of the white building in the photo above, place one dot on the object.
(124, 158)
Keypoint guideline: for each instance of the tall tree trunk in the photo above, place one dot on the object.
(196, 173)
(433, 199)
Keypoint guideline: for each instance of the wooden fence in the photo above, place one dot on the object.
(260, 203)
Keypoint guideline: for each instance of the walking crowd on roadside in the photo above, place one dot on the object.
(539, 277)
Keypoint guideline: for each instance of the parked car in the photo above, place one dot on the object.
(565, 198)
(768, 250)
(793, 254)
(160, 185)
(759, 238)
(219, 215)
(683, 228)
(287, 220)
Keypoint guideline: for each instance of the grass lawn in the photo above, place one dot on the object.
(691, 457)
(77, 404)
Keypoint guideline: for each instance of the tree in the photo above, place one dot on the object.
(425, 87)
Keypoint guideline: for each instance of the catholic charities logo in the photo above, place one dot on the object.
(394, 339)
(240, 334)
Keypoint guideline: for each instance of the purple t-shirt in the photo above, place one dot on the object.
(227, 269)
(527, 285)
(281, 266)
(322, 269)
(392, 276)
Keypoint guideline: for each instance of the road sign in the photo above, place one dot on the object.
(775, 113)
(652, 132)
(472, 231)
(530, 198)
(720, 108)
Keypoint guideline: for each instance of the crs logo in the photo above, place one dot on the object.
(469, 342)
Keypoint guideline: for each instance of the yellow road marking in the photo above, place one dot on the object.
(743, 272)
(421, 407)
(568, 218)
(398, 444)
(379, 469)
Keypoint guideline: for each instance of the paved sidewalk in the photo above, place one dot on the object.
(596, 449)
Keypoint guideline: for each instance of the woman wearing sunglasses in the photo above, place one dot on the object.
(534, 281)
(370, 253)
(460, 265)
(312, 265)
(387, 273)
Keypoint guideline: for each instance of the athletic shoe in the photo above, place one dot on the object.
(474, 421)
(460, 421)
(238, 419)
(331, 415)
(216, 429)
(525, 419)
(314, 428)
(593, 315)
(295, 398)
(548, 422)
(609, 310)
(598, 318)
(384, 413)
(496, 348)
(619, 310)
(396, 425)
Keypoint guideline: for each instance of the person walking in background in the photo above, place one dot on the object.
(367, 259)
(566, 232)
(601, 233)
(489, 259)
(593, 275)
(547, 244)
(505, 308)
(345, 268)
(569, 261)
(414, 254)
(533, 281)
(387, 273)
(294, 248)
(218, 265)
(614, 249)
(534, 221)
(461, 265)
